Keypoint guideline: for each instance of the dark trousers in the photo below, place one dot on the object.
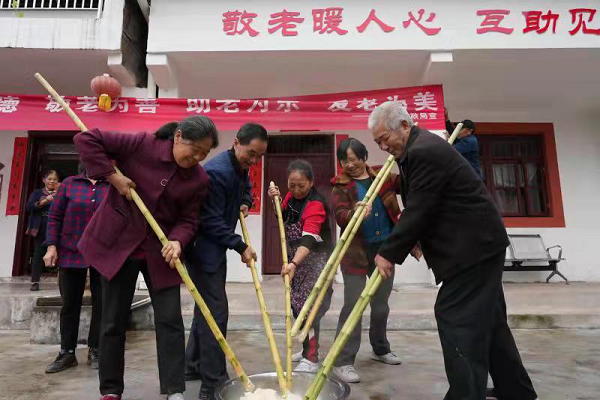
(203, 354)
(71, 283)
(37, 261)
(471, 315)
(117, 295)
(380, 311)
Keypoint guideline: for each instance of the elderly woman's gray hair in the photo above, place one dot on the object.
(391, 113)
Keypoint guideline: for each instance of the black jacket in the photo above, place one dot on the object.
(447, 209)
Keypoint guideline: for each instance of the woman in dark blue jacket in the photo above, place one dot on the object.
(38, 206)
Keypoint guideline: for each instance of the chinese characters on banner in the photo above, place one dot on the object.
(331, 21)
(255, 174)
(16, 176)
(336, 111)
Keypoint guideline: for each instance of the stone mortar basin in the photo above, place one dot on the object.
(334, 389)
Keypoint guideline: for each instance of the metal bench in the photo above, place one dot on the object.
(528, 253)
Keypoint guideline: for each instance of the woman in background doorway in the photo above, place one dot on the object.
(38, 206)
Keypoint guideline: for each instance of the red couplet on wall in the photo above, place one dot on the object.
(16, 176)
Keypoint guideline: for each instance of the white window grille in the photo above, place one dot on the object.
(84, 5)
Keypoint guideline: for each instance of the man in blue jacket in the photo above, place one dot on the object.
(466, 143)
(230, 193)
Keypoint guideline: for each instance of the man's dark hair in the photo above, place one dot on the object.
(302, 166)
(467, 123)
(251, 131)
(357, 148)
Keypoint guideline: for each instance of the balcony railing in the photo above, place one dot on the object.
(46, 5)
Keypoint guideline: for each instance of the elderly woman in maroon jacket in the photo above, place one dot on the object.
(308, 234)
(164, 170)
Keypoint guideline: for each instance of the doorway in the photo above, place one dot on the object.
(46, 150)
(319, 151)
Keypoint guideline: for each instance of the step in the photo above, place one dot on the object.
(45, 319)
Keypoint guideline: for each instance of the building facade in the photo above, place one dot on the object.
(525, 72)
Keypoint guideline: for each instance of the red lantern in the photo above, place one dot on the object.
(107, 88)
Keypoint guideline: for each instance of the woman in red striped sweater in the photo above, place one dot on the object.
(308, 234)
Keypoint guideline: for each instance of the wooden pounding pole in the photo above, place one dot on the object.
(163, 239)
(359, 308)
(362, 214)
(288, 295)
(320, 284)
(264, 313)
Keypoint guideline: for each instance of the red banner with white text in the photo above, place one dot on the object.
(338, 111)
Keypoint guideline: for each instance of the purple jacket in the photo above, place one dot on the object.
(74, 205)
(172, 194)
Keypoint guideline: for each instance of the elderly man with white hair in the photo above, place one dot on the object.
(448, 210)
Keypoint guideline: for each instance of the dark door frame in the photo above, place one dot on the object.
(266, 206)
(23, 244)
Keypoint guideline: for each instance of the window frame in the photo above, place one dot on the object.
(549, 162)
(522, 186)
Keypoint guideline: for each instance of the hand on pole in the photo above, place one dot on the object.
(248, 255)
(368, 207)
(171, 251)
(244, 210)
(274, 192)
(123, 184)
(289, 270)
(385, 267)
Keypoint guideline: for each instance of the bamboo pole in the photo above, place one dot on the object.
(319, 285)
(163, 239)
(265, 314)
(321, 296)
(288, 295)
(365, 298)
(455, 133)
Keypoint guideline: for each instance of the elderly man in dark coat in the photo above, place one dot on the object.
(448, 210)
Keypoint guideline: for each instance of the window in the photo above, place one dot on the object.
(520, 168)
(513, 170)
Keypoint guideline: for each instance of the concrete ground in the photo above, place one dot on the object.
(563, 364)
(529, 305)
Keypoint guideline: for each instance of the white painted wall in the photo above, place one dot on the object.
(578, 152)
(62, 29)
(181, 25)
(8, 224)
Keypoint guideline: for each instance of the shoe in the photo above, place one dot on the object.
(307, 366)
(175, 396)
(93, 358)
(206, 396)
(192, 376)
(297, 357)
(110, 397)
(35, 286)
(64, 361)
(389, 358)
(346, 373)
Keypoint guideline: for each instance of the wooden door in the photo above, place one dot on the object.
(316, 149)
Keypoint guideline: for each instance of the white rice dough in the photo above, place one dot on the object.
(268, 394)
